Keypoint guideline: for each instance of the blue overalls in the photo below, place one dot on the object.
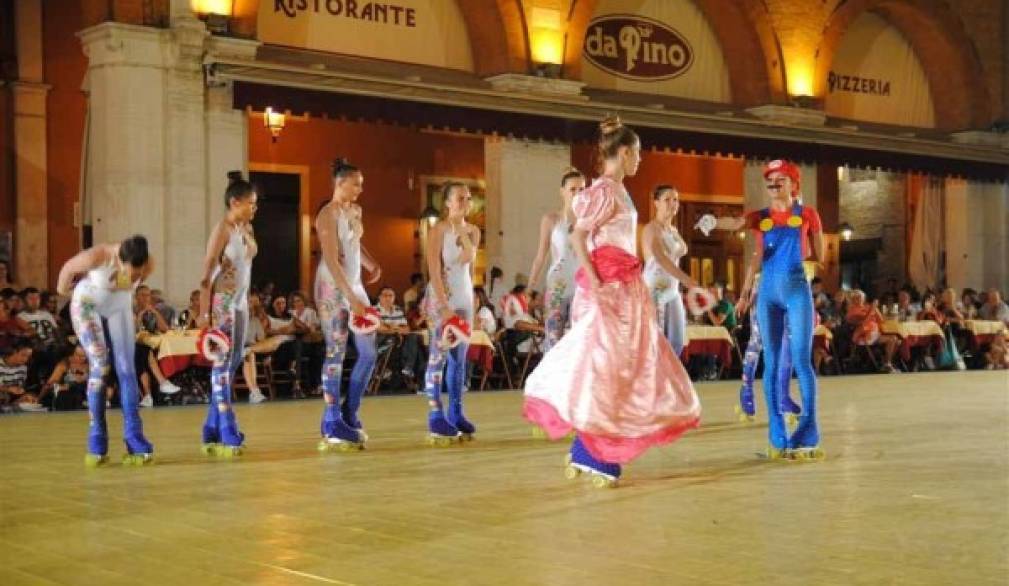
(784, 290)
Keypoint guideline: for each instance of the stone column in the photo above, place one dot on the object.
(523, 182)
(126, 158)
(161, 141)
(29, 105)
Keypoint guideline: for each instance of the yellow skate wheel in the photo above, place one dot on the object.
(571, 472)
(600, 481)
(229, 452)
(440, 441)
(209, 449)
(808, 454)
(776, 453)
(137, 459)
(538, 433)
(467, 437)
(95, 460)
(743, 416)
(791, 419)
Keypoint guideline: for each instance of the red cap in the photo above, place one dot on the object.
(786, 168)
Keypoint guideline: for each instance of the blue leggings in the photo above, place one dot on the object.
(788, 293)
(453, 364)
(335, 328)
(751, 359)
(220, 425)
(86, 315)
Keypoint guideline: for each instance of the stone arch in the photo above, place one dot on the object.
(744, 31)
(938, 37)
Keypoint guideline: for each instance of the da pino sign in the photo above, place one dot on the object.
(637, 48)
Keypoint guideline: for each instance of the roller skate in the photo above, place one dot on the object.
(441, 433)
(790, 409)
(98, 445)
(745, 410)
(211, 432)
(538, 433)
(580, 461)
(139, 451)
(337, 436)
(457, 419)
(232, 440)
(804, 445)
(350, 418)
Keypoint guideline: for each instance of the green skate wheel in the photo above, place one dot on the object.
(95, 460)
(538, 433)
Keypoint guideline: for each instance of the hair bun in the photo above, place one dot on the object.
(610, 124)
(339, 162)
(234, 176)
(570, 171)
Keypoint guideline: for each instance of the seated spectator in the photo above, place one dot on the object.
(13, 300)
(907, 310)
(149, 322)
(519, 325)
(14, 393)
(12, 327)
(309, 328)
(952, 309)
(256, 343)
(288, 354)
(723, 313)
(994, 309)
(485, 319)
(187, 317)
(929, 311)
(536, 306)
(411, 295)
(866, 320)
(496, 289)
(51, 303)
(821, 301)
(47, 345)
(968, 303)
(162, 307)
(395, 329)
(68, 383)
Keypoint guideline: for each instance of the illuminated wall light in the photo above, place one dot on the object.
(274, 122)
(546, 38)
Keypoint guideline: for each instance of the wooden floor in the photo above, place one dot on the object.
(915, 490)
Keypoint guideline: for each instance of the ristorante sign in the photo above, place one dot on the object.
(429, 32)
(381, 12)
(637, 48)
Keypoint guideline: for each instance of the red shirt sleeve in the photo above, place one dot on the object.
(812, 220)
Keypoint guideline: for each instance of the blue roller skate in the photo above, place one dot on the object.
(746, 410)
(805, 441)
(337, 436)
(580, 461)
(98, 444)
(231, 440)
(789, 408)
(441, 433)
(459, 421)
(352, 421)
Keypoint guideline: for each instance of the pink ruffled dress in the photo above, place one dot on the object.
(613, 377)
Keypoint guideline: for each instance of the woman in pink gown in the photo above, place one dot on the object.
(613, 378)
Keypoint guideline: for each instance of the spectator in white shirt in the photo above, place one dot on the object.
(485, 318)
(994, 309)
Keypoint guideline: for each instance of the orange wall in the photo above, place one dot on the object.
(6, 161)
(690, 174)
(386, 155)
(65, 66)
